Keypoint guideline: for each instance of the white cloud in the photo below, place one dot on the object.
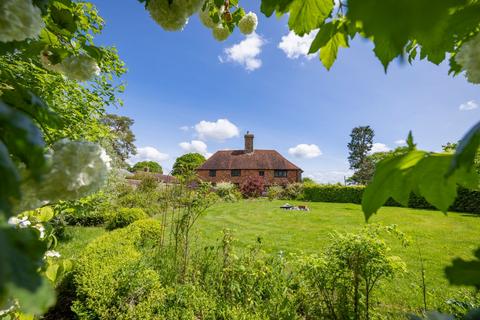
(305, 151)
(219, 130)
(379, 147)
(184, 128)
(469, 105)
(148, 154)
(295, 46)
(246, 52)
(194, 146)
(329, 177)
(401, 142)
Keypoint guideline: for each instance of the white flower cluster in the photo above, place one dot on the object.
(248, 23)
(469, 58)
(21, 222)
(172, 15)
(79, 68)
(52, 254)
(77, 169)
(19, 20)
(220, 32)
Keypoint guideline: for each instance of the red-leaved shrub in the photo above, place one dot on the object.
(252, 187)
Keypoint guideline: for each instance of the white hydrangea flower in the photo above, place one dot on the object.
(52, 254)
(78, 168)
(220, 32)
(469, 58)
(80, 68)
(19, 20)
(248, 23)
(41, 229)
(22, 222)
(173, 16)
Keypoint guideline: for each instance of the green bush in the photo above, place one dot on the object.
(333, 193)
(293, 191)
(275, 192)
(114, 273)
(227, 191)
(89, 211)
(124, 217)
(466, 201)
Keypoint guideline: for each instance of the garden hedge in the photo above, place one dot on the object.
(466, 201)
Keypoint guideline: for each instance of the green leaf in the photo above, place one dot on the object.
(326, 32)
(306, 15)
(22, 138)
(431, 182)
(392, 179)
(464, 273)
(328, 53)
(268, 7)
(10, 186)
(21, 254)
(466, 150)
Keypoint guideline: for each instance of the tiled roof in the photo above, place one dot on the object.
(239, 159)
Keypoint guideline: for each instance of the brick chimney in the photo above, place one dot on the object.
(249, 142)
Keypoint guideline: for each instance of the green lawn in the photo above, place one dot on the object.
(438, 237)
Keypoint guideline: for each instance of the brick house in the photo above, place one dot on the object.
(236, 165)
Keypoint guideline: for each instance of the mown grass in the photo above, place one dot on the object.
(437, 237)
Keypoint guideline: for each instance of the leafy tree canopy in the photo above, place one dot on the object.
(122, 137)
(359, 146)
(186, 164)
(150, 166)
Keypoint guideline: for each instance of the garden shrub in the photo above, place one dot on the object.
(253, 187)
(275, 192)
(466, 201)
(339, 284)
(122, 275)
(227, 191)
(144, 198)
(89, 211)
(114, 273)
(293, 191)
(333, 193)
(123, 217)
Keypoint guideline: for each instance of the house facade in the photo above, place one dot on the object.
(237, 165)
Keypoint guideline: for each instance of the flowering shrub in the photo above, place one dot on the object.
(227, 191)
(275, 192)
(248, 23)
(253, 187)
(293, 191)
(19, 20)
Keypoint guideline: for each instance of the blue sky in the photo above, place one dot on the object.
(176, 80)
